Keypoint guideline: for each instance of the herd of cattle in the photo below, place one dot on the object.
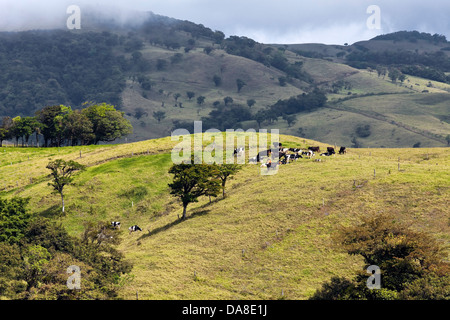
(286, 155)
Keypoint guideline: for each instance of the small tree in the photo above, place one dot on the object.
(62, 173)
(228, 100)
(251, 102)
(217, 80)
(226, 171)
(240, 84)
(139, 112)
(176, 96)
(200, 100)
(159, 115)
(260, 117)
(208, 50)
(192, 181)
(394, 74)
(190, 94)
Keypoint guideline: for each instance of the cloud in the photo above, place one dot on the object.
(282, 21)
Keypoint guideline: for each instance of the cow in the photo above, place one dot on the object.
(314, 149)
(326, 154)
(115, 224)
(134, 228)
(308, 153)
(239, 151)
(294, 156)
(342, 150)
(330, 150)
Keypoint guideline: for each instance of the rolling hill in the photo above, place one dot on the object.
(141, 66)
(271, 238)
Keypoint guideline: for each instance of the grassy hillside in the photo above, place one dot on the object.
(404, 116)
(269, 239)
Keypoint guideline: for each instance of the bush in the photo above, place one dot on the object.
(363, 131)
(411, 263)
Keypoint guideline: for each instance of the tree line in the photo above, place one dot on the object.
(432, 66)
(59, 125)
(230, 115)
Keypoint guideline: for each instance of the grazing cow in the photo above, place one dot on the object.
(115, 224)
(308, 153)
(314, 149)
(342, 150)
(134, 228)
(330, 150)
(326, 154)
(294, 157)
(239, 151)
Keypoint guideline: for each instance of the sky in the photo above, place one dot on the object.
(266, 21)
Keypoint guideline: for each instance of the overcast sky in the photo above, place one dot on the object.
(266, 21)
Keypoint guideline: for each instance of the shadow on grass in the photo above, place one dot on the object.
(52, 212)
(172, 224)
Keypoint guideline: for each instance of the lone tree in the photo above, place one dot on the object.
(192, 181)
(240, 84)
(62, 173)
(190, 94)
(251, 102)
(159, 115)
(217, 80)
(226, 171)
(228, 100)
(176, 96)
(201, 100)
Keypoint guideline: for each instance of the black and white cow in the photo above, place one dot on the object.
(115, 224)
(239, 151)
(308, 153)
(134, 228)
(330, 150)
(294, 156)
